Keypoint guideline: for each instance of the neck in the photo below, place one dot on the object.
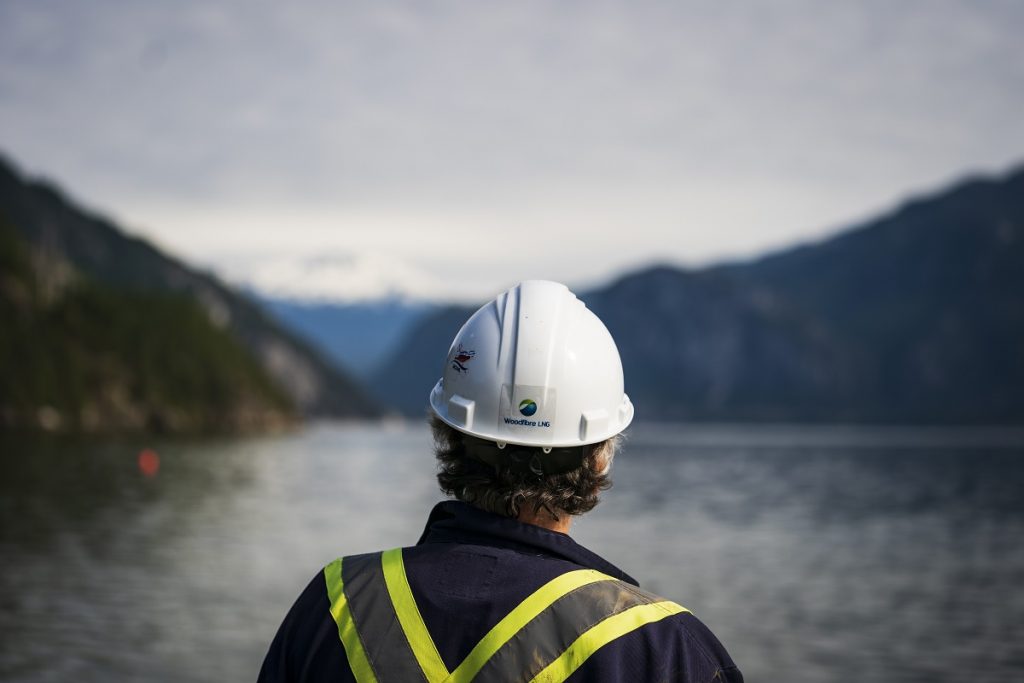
(543, 518)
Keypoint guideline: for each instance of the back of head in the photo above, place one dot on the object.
(529, 405)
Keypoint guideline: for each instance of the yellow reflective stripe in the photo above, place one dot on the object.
(603, 633)
(526, 611)
(410, 618)
(357, 659)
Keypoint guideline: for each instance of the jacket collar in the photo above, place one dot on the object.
(453, 521)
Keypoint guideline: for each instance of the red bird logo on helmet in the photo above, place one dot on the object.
(461, 357)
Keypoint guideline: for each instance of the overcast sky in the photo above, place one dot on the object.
(448, 149)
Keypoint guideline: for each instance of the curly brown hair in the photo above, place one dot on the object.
(521, 477)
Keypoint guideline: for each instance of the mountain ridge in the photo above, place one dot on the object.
(915, 316)
(78, 356)
(52, 223)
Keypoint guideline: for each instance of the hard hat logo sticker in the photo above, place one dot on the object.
(527, 408)
(461, 357)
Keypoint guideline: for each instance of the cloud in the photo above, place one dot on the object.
(597, 134)
(337, 277)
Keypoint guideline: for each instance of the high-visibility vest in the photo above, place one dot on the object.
(545, 638)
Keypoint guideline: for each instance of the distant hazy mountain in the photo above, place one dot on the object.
(915, 317)
(406, 380)
(356, 336)
(56, 229)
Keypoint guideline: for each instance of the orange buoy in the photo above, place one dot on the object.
(149, 462)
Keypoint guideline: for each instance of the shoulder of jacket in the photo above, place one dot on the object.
(686, 625)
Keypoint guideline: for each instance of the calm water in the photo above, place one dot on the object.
(815, 554)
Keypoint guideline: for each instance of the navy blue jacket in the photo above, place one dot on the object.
(469, 569)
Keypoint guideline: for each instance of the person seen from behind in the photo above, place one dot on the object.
(526, 418)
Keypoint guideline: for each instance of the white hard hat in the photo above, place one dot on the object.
(534, 367)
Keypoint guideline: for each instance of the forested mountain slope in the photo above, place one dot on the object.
(55, 230)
